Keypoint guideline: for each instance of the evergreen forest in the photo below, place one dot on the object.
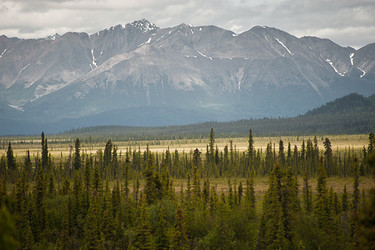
(141, 199)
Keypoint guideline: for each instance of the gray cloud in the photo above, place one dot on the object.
(346, 22)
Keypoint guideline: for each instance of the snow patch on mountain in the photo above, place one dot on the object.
(19, 108)
(285, 47)
(93, 59)
(5, 50)
(200, 53)
(23, 69)
(333, 66)
(363, 72)
(351, 56)
(29, 85)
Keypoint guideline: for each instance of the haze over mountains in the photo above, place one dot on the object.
(141, 75)
(351, 114)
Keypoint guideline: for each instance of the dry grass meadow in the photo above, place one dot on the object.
(58, 147)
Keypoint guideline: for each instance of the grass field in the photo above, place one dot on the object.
(58, 147)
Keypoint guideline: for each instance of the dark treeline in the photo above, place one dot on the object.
(128, 201)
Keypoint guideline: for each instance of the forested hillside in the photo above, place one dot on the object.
(110, 200)
(347, 115)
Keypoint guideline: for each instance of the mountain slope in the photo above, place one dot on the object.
(203, 73)
(348, 104)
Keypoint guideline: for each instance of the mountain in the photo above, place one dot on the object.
(139, 74)
(351, 114)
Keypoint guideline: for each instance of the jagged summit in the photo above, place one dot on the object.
(53, 37)
(143, 25)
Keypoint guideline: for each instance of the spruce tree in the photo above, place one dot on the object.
(96, 182)
(3, 171)
(108, 228)
(40, 207)
(212, 146)
(303, 151)
(11, 160)
(307, 201)
(65, 234)
(115, 165)
(250, 194)
(143, 236)
(23, 229)
(150, 189)
(273, 232)
(162, 239)
(126, 181)
(328, 158)
(240, 193)
(28, 164)
(289, 156)
(366, 220)
(87, 175)
(290, 203)
(7, 230)
(77, 155)
(322, 209)
(355, 205)
(93, 235)
(44, 152)
(20, 192)
(356, 192)
(371, 138)
(180, 239)
(116, 200)
(281, 153)
(250, 149)
(344, 201)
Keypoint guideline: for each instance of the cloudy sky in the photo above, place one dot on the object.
(346, 22)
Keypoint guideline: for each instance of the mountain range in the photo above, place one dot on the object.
(141, 75)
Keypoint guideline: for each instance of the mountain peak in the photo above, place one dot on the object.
(52, 37)
(143, 25)
(260, 27)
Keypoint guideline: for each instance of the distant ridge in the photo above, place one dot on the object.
(347, 104)
(351, 114)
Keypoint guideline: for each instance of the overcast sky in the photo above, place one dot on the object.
(346, 22)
